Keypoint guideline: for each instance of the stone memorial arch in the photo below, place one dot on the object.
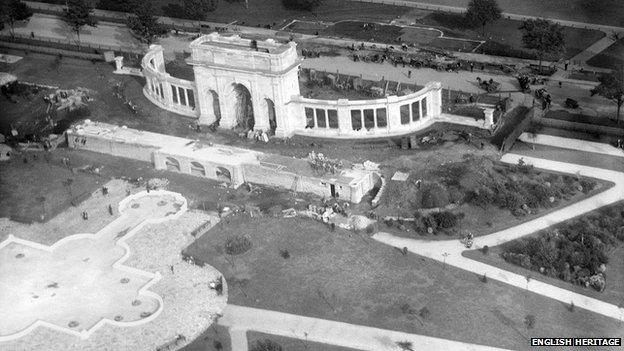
(245, 84)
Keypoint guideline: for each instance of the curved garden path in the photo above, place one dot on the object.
(450, 251)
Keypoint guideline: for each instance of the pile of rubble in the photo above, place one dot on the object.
(321, 163)
(71, 99)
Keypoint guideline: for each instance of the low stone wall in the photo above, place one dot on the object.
(360, 119)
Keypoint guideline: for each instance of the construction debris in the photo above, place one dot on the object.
(68, 99)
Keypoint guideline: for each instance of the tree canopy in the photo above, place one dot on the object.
(482, 12)
(612, 87)
(542, 36)
(79, 14)
(305, 5)
(15, 10)
(144, 23)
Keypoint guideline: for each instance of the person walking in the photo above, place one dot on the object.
(565, 65)
(471, 67)
(409, 74)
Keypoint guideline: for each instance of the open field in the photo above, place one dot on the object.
(348, 277)
(503, 36)
(609, 12)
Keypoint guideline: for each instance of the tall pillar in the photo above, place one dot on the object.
(393, 114)
(344, 117)
(489, 117)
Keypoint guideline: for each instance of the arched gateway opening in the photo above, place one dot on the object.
(243, 108)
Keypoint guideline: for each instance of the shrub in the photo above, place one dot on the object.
(424, 313)
(372, 228)
(485, 249)
(445, 219)
(265, 345)
(540, 192)
(481, 197)
(237, 245)
(429, 222)
(509, 200)
(434, 196)
(588, 184)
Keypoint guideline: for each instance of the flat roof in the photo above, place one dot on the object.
(215, 153)
(235, 42)
(302, 167)
(170, 145)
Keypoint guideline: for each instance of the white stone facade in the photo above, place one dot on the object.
(266, 73)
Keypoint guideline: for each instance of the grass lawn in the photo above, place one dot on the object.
(215, 338)
(613, 293)
(579, 118)
(504, 36)
(585, 75)
(608, 12)
(292, 343)
(612, 57)
(36, 189)
(349, 277)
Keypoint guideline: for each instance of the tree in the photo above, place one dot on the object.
(304, 5)
(198, 9)
(77, 15)
(482, 12)
(15, 10)
(144, 23)
(542, 36)
(612, 87)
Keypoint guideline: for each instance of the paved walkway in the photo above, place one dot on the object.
(450, 251)
(240, 319)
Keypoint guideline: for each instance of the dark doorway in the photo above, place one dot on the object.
(243, 108)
